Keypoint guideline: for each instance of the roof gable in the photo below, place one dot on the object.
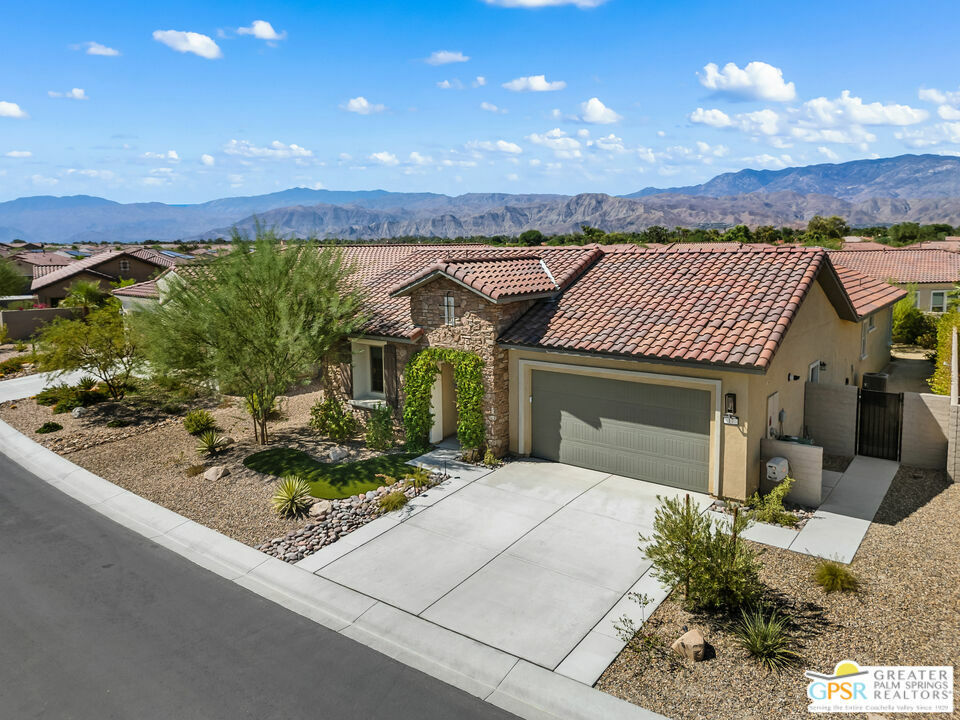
(87, 264)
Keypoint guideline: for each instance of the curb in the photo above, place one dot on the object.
(516, 686)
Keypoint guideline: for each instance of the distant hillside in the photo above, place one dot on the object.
(920, 188)
(906, 176)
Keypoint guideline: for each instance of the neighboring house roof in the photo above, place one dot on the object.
(167, 258)
(866, 293)
(865, 245)
(33, 258)
(145, 289)
(949, 243)
(727, 308)
(902, 265)
(86, 265)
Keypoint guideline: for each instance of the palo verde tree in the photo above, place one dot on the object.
(254, 321)
(99, 343)
(11, 281)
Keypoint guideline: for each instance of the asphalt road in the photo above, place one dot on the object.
(97, 622)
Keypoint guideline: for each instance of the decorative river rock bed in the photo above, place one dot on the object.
(334, 519)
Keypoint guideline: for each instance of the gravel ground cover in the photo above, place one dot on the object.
(905, 614)
(156, 458)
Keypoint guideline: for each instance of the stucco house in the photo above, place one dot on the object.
(935, 272)
(52, 284)
(669, 366)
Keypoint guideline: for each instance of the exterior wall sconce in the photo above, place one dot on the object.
(730, 403)
(823, 366)
(791, 376)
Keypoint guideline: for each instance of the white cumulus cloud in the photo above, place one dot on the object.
(757, 80)
(276, 150)
(850, 109)
(948, 112)
(19, 154)
(384, 158)
(563, 145)
(450, 84)
(95, 48)
(362, 106)
(445, 57)
(490, 107)
(189, 42)
(73, 94)
(595, 112)
(827, 153)
(503, 146)
(417, 159)
(207, 159)
(168, 155)
(11, 110)
(479, 81)
(262, 30)
(713, 118)
(534, 83)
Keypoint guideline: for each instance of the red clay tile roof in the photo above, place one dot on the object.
(145, 289)
(38, 259)
(902, 265)
(721, 307)
(866, 293)
(502, 278)
(87, 264)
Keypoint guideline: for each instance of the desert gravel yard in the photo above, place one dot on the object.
(153, 457)
(906, 613)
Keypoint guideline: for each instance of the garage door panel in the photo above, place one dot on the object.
(652, 432)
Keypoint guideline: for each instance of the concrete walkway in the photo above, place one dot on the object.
(504, 680)
(840, 523)
(533, 561)
(30, 385)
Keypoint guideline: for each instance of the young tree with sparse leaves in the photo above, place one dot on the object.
(254, 321)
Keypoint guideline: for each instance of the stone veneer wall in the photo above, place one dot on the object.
(478, 324)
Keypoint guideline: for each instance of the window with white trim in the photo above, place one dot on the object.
(368, 370)
(871, 323)
(864, 331)
(938, 301)
(449, 310)
(124, 265)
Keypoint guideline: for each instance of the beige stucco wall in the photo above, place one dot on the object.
(816, 334)
(924, 290)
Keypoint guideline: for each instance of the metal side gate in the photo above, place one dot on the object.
(879, 424)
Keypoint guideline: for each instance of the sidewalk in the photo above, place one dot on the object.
(30, 385)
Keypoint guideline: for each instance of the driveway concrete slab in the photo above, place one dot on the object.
(493, 500)
(523, 609)
(468, 521)
(460, 661)
(445, 459)
(592, 548)
(408, 567)
(629, 500)
(830, 536)
(549, 481)
(587, 661)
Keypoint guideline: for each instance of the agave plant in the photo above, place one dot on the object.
(767, 639)
(210, 443)
(292, 498)
(87, 383)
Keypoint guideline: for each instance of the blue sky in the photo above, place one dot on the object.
(186, 101)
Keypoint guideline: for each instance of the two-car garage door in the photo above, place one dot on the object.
(659, 433)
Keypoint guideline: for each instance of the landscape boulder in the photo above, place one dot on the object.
(79, 412)
(690, 645)
(337, 454)
(216, 472)
(320, 509)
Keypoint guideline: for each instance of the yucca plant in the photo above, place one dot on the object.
(210, 443)
(393, 501)
(292, 498)
(198, 422)
(86, 383)
(834, 577)
(767, 639)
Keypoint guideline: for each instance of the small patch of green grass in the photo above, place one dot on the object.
(327, 480)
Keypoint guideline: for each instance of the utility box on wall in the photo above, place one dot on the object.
(777, 469)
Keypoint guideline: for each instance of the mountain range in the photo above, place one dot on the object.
(918, 188)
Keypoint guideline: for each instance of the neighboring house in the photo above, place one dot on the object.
(934, 272)
(167, 258)
(106, 267)
(669, 366)
(950, 243)
(30, 264)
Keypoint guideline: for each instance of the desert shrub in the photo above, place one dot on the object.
(20, 346)
(330, 418)
(766, 638)
(380, 435)
(769, 508)
(489, 459)
(210, 443)
(171, 408)
(54, 394)
(194, 470)
(14, 364)
(715, 568)
(49, 427)
(86, 383)
(292, 498)
(834, 577)
(419, 478)
(4, 334)
(910, 324)
(393, 501)
(116, 423)
(199, 421)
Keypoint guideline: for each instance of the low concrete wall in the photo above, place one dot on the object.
(806, 468)
(22, 324)
(953, 443)
(830, 417)
(926, 420)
